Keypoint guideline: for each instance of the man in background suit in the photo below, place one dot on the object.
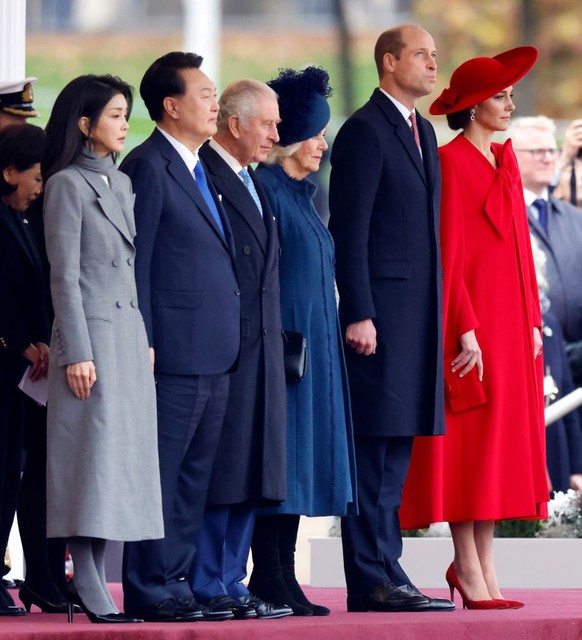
(250, 464)
(384, 217)
(190, 301)
(557, 227)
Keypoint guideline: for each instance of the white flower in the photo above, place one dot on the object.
(564, 513)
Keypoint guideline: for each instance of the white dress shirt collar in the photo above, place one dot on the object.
(190, 159)
(405, 111)
(530, 196)
(230, 160)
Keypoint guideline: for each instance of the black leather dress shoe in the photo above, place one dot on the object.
(7, 606)
(264, 610)
(12, 611)
(191, 606)
(221, 608)
(433, 604)
(166, 611)
(385, 597)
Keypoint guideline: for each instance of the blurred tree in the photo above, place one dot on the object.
(464, 29)
(345, 55)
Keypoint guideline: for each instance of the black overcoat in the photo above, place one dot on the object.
(24, 319)
(250, 462)
(386, 233)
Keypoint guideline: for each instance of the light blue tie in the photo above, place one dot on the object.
(200, 177)
(246, 178)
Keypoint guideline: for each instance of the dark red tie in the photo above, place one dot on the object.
(412, 118)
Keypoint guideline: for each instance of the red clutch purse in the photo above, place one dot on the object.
(463, 393)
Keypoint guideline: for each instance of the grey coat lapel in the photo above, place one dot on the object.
(109, 203)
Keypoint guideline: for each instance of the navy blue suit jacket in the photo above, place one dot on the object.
(384, 218)
(185, 271)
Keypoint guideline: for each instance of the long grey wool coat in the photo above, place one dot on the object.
(102, 467)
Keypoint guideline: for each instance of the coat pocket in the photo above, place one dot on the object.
(385, 269)
(97, 311)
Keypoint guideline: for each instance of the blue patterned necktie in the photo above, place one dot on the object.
(200, 177)
(246, 178)
(542, 206)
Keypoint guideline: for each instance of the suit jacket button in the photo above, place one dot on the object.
(118, 304)
(115, 263)
(130, 262)
(133, 303)
(237, 292)
(246, 249)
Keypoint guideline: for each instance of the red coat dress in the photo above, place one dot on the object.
(490, 465)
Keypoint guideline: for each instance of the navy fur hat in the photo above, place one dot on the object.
(303, 103)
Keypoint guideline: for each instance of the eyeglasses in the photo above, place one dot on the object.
(540, 154)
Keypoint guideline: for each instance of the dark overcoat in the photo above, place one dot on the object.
(24, 320)
(24, 317)
(563, 437)
(386, 235)
(250, 462)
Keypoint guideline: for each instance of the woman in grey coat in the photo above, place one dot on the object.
(102, 467)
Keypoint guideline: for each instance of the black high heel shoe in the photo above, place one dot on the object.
(29, 597)
(73, 599)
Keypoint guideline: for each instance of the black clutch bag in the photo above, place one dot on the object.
(295, 353)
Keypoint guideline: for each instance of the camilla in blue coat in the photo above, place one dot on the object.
(320, 457)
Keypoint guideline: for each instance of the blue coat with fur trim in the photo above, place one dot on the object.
(320, 457)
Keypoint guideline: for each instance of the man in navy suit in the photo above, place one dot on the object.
(250, 464)
(558, 227)
(384, 206)
(190, 301)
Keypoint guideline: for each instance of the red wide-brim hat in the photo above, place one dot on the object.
(478, 79)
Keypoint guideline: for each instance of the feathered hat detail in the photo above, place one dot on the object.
(303, 106)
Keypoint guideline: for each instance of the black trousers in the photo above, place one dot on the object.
(372, 541)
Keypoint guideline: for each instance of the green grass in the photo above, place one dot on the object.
(56, 62)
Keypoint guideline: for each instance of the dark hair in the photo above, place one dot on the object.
(459, 119)
(21, 147)
(85, 96)
(162, 80)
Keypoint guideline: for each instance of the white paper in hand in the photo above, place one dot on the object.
(36, 389)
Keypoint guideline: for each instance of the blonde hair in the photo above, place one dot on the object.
(541, 123)
(278, 153)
